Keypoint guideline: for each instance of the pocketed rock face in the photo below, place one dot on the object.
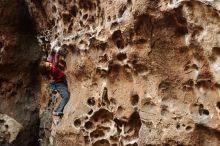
(19, 86)
(140, 72)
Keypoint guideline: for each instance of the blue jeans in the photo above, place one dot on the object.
(62, 88)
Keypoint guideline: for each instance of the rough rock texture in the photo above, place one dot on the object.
(19, 86)
(140, 72)
(9, 129)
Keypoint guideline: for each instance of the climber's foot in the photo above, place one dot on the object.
(54, 92)
(57, 113)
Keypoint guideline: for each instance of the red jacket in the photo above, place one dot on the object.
(55, 74)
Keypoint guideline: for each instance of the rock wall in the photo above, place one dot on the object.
(140, 72)
(19, 85)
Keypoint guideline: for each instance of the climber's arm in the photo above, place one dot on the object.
(53, 57)
(56, 59)
(50, 57)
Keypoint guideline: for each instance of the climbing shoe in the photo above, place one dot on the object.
(57, 113)
(54, 92)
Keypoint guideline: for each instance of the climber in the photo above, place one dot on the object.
(57, 79)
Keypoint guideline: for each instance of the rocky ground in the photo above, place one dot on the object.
(140, 72)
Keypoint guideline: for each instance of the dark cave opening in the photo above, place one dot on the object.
(19, 69)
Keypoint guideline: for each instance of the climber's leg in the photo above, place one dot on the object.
(52, 86)
(62, 88)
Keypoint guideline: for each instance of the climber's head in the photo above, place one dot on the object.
(48, 66)
(45, 67)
